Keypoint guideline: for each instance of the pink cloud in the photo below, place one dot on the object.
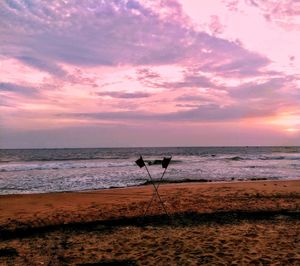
(215, 25)
(124, 95)
(285, 13)
(93, 34)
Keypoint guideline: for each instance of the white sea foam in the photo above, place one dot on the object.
(26, 166)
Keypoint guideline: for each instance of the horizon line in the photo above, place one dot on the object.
(142, 147)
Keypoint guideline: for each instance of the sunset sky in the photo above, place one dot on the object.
(121, 73)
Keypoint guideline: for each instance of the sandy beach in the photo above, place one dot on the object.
(234, 223)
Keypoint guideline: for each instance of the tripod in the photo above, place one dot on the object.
(165, 162)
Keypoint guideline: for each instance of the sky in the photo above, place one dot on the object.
(129, 73)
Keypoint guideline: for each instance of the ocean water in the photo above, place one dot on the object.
(51, 170)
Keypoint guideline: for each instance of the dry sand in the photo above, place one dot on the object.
(238, 223)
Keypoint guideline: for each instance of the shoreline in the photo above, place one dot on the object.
(163, 182)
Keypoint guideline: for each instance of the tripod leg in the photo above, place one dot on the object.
(161, 178)
(149, 204)
(161, 202)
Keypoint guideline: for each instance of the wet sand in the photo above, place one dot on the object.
(237, 223)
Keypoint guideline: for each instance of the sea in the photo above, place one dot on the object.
(56, 170)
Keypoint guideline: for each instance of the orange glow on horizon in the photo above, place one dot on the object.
(289, 123)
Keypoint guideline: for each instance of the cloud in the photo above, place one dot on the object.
(187, 105)
(5, 101)
(258, 90)
(19, 89)
(191, 98)
(284, 13)
(229, 59)
(92, 32)
(116, 32)
(215, 25)
(202, 113)
(275, 91)
(43, 65)
(259, 98)
(214, 112)
(146, 73)
(190, 79)
(124, 95)
(232, 5)
(148, 77)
